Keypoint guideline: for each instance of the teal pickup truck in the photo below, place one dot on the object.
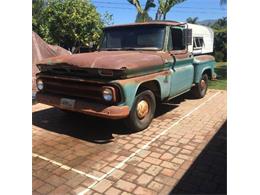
(135, 67)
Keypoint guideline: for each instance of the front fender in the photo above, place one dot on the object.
(129, 87)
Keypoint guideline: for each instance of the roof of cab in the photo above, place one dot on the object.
(154, 22)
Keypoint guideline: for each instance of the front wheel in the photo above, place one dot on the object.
(200, 89)
(142, 111)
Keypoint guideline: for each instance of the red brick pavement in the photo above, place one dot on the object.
(77, 153)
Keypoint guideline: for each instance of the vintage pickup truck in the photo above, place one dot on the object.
(135, 67)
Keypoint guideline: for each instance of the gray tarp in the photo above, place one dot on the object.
(41, 50)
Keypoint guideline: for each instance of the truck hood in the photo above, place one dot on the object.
(114, 60)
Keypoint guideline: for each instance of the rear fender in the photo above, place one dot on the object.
(200, 66)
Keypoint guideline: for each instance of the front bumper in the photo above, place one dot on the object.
(94, 109)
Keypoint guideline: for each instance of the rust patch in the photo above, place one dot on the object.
(203, 58)
(181, 54)
(78, 89)
(142, 109)
(66, 78)
(170, 23)
(113, 60)
(94, 109)
(144, 77)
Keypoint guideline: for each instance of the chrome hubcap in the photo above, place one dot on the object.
(203, 84)
(142, 109)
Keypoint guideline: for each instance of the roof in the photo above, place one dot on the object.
(153, 22)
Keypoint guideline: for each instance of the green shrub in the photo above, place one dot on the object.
(220, 39)
(219, 56)
(68, 23)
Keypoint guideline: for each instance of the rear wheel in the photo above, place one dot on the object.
(200, 89)
(142, 111)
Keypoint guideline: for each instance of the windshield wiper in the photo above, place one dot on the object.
(110, 49)
(141, 48)
(129, 48)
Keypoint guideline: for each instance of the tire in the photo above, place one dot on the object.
(200, 89)
(137, 121)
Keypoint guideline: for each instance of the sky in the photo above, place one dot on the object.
(124, 12)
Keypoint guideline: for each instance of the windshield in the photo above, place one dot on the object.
(133, 38)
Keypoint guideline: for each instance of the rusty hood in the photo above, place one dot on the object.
(113, 60)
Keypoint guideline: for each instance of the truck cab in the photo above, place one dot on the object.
(135, 67)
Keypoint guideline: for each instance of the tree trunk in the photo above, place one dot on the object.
(164, 16)
(157, 15)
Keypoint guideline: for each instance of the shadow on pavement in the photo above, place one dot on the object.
(208, 173)
(90, 128)
(77, 125)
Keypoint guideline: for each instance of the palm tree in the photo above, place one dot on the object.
(220, 23)
(142, 14)
(192, 20)
(165, 6)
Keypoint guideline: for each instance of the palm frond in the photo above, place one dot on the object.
(137, 4)
(149, 4)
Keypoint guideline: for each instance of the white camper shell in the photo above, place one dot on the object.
(203, 39)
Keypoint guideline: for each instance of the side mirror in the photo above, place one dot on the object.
(187, 37)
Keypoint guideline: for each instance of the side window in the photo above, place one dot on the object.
(198, 42)
(177, 39)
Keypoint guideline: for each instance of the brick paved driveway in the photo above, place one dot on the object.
(80, 154)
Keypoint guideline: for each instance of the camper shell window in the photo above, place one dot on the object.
(198, 42)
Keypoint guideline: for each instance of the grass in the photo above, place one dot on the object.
(221, 82)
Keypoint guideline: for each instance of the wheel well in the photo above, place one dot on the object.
(151, 85)
(208, 72)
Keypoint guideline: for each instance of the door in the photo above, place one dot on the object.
(182, 67)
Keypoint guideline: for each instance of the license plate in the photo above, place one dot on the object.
(67, 103)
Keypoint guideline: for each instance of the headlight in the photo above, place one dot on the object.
(107, 94)
(40, 85)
